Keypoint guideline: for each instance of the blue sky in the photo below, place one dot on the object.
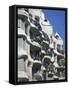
(57, 19)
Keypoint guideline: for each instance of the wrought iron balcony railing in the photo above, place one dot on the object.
(36, 57)
(49, 54)
(36, 23)
(36, 39)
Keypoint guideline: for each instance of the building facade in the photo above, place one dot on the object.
(40, 51)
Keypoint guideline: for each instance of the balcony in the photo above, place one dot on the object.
(37, 62)
(60, 68)
(45, 43)
(23, 14)
(35, 38)
(46, 61)
(47, 57)
(35, 45)
(21, 33)
(50, 75)
(61, 62)
(35, 26)
(36, 57)
(45, 40)
(37, 76)
(22, 53)
(49, 53)
(55, 77)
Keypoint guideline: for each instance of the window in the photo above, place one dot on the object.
(57, 37)
(45, 20)
(36, 55)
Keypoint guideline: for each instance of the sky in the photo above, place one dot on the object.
(57, 20)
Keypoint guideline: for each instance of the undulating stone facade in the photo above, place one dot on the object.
(40, 50)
